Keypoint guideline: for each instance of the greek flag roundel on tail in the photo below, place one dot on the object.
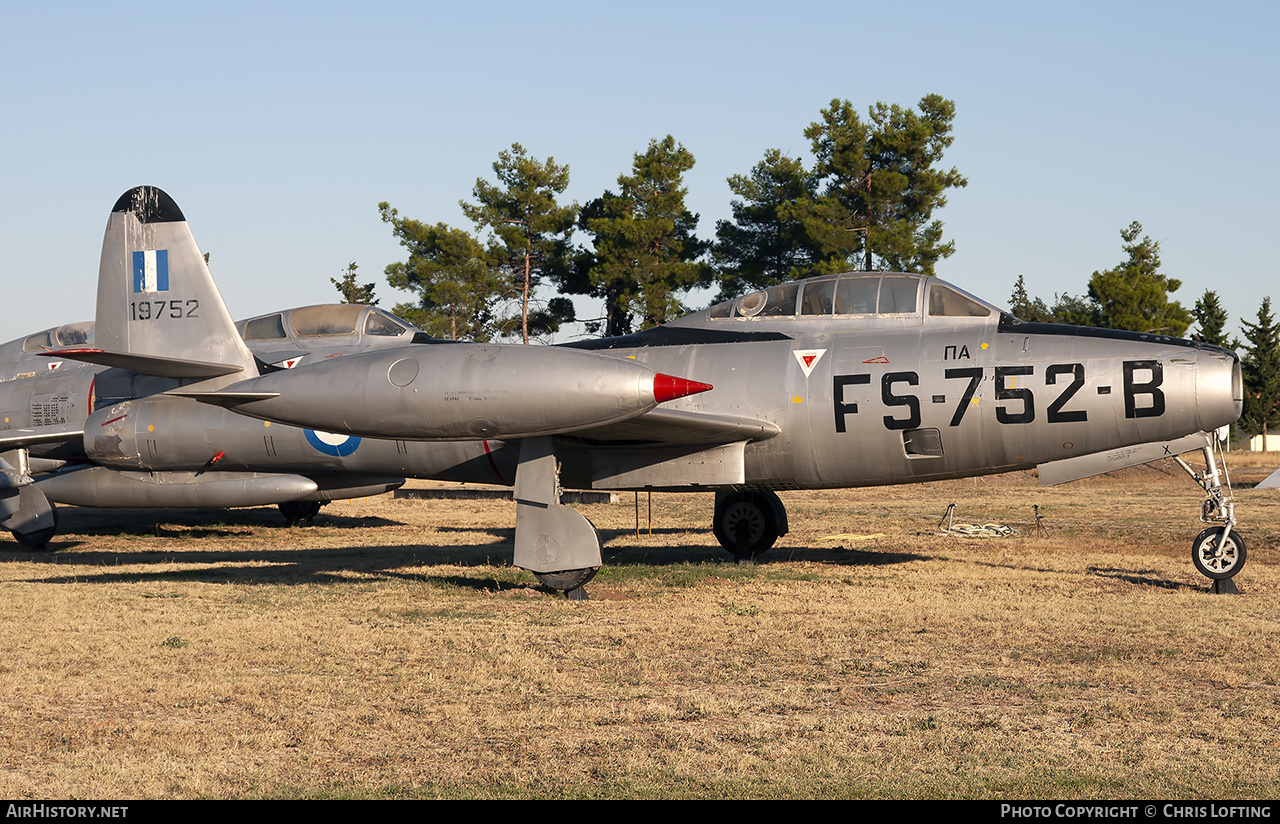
(151, 271)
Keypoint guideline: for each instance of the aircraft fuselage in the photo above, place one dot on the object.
(884, 398)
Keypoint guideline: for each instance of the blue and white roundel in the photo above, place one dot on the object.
(339, 446)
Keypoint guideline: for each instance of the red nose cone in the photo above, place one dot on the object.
(667, 388)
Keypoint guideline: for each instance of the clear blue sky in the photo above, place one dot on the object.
(278, 127)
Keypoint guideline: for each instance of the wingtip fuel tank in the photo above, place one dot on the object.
(463, 391)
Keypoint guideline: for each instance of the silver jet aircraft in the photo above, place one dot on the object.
(851, 380)
(859, 379)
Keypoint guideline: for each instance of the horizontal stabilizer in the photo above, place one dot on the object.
(157, 365)
(1086, 466)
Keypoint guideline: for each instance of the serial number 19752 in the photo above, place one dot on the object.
(157, 309)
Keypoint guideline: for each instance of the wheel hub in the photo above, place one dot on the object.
(747, 515)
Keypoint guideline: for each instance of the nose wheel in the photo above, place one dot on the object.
(1218, 552)
(1216, 557)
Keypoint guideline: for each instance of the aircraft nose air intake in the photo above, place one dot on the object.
(1219, 388)
(668, 387)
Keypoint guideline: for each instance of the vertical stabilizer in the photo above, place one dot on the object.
(159, 311)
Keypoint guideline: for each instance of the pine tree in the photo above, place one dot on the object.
(646, 251)
(1212, 319)
(1066, 308)
(867, 202)
(351, 291)
(459, 292)
(878, 186)
(1024, 307)
(1261, 368)
(1135, 294)
(764, 244)
(530, 230)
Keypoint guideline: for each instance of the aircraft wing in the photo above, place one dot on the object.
(679, 427)
(666, 449)
(159, 365)
(56, 433)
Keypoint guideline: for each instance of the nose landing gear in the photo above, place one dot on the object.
(1218, 553)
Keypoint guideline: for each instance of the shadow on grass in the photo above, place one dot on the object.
(1138, 578)
(490, 549)
(91, 521)
(349, 565)
(1129, 576)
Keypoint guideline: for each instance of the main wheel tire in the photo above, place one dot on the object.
(1213, 561)
(745, 524)
(40, 538)
(36, 540)
(299, 512)
(567, 579)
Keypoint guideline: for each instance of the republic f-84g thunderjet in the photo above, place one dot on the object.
(859, 379)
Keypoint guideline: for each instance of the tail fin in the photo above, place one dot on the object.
(159, 311)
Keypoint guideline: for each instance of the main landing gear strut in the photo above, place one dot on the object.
(557, 544)
(24, 509)
(1218, 552)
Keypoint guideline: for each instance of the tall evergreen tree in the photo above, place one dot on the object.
(1066, 308)
(459, 292)
(1135, 295)
(878, 186)
(1211, 319)
(1025, 307)
(351, 291)
(765, 243)
(1075, 310)
(530, 229)
(1261, 368)
(867, 203)
(646, 253)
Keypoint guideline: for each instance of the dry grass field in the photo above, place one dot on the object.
(390, 650)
